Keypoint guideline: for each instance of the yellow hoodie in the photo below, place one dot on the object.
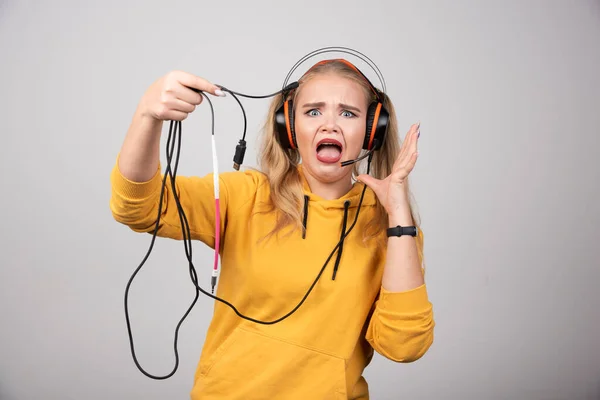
(321, 350)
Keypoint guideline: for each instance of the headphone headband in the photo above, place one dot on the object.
(345, 50)
(377, 118)
(353, 67)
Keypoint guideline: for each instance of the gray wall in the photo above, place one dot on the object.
(507, 183)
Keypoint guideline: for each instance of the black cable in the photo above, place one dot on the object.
(240, 148)
(188, 250)
(187, 241)
(289, 87)
(242, 107)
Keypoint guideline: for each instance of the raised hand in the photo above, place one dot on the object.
(391, 191)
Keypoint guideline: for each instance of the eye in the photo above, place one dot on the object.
(348, 113)
(314, 112)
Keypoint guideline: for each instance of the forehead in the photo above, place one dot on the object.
(333, 87)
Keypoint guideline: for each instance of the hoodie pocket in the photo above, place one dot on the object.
(250, 365)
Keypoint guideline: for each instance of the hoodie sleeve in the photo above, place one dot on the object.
(401, 325)
(135, 204)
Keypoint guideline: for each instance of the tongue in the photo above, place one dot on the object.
(329, 154)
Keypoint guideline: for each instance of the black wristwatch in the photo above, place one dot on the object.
(402, 231)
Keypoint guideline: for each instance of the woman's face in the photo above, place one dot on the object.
(330, 123)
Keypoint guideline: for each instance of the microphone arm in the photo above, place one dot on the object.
(367, 154)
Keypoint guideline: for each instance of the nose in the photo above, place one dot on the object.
(330, 124)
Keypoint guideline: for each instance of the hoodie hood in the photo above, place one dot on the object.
(353, 195)
(336, 208)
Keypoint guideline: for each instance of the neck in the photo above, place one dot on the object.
(329, 190)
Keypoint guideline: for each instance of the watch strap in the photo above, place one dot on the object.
(402, 231)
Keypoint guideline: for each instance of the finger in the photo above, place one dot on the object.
(412, 136)
(180, 105)
(173, 108)
(412, 132)
(198, 83)
(402, 171)
(188, 95)
(416, 135)
(410, 158)
(168, 114)
(408, 145)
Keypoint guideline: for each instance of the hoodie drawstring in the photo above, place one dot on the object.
(305, 217)
(342, 238)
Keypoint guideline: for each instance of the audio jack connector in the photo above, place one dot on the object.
(238, 158)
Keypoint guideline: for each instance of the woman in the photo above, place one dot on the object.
(278, 226)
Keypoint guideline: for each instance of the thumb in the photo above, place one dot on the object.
(373, 183)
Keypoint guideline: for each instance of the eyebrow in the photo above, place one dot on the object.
(321, 104)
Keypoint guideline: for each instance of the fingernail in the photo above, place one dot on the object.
(219, 92)
(418, 124)
(419, 135)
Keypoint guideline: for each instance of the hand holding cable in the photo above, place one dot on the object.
(176, 95)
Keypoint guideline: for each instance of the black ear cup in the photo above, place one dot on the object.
(377, 122)
(284, 123)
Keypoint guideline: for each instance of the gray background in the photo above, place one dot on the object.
(507, 184)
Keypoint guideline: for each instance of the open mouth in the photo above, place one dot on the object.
(329, 151)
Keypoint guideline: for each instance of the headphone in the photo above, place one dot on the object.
(377, 116)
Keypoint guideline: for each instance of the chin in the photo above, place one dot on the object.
(326, 171)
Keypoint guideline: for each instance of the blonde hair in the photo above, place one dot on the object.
(280, 165)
